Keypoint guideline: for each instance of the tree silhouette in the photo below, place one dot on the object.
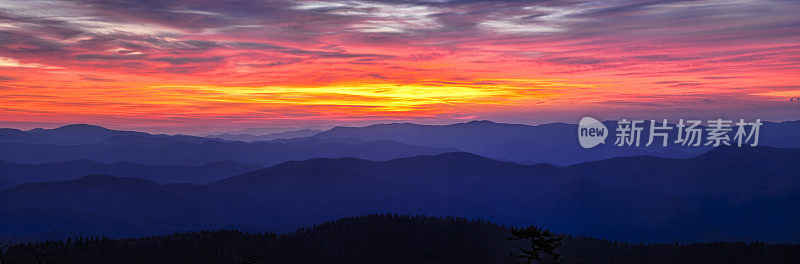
(542, 241)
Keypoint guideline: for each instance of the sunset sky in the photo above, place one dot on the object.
(211, 65)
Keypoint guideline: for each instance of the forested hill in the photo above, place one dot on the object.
(381, 239)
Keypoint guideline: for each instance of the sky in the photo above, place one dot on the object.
(209, 65)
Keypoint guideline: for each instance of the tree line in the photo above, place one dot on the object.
(387, 238)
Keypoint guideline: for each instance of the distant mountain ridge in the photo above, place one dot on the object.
(554, 143)
(15, 173)
(109, 146)
(569, 200)
(271, 136)
(82, 134)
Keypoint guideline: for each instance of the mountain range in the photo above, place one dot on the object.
(271, 136)
(706, 198)
(82, 134)
(554, 143)
(16, 173)
(99, 144)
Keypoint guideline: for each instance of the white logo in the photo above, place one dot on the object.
(591, 132)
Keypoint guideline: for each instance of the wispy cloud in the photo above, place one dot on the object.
(670, 52)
